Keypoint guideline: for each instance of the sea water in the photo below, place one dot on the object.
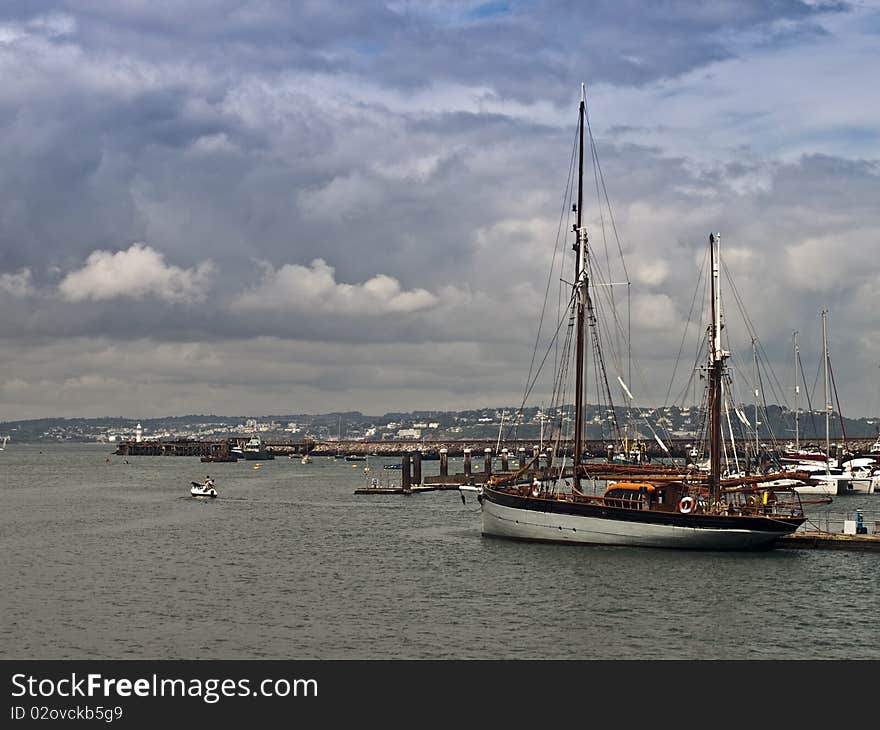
(110, 557)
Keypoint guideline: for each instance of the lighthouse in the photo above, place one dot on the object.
(138, 434)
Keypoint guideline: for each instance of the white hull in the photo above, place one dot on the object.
(865, 485)
(197, 492)
(838, 485)
(825, 487)
(524, 524)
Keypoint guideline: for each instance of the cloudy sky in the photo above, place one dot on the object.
(263, 206)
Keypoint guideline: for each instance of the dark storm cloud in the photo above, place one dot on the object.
(418, 150)
(105, 97)
(521, 50)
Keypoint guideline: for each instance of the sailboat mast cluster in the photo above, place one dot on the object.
(651, 505)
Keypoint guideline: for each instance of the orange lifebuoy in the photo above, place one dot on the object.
(536, 488)
(686, 505)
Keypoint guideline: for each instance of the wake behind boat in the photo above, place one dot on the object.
(641, 505)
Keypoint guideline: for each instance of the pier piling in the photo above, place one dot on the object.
(417, 467)
(405, 473)
(444, 464)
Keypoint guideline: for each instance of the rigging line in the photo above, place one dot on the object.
(603, 291)
(601, 402)
(556, 363)
(687, 325)
(815, 382)
(695, 368)
(600, 363)
(552, 345)
(599, 307)
(599, 207)
(773, 439)
(725, 396)
(778, 394)
(595, 154)
(807, 393)
(605, 190)
(604, 235)
(701, 352)
(598, 310)
(559, 385)
(531, 385)
(839, 411)
(565, 202)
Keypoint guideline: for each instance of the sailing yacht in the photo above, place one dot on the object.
(642, 505)
(829, 475)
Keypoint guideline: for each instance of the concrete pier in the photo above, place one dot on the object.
(816, 540)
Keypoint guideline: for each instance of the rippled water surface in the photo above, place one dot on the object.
(117, 561)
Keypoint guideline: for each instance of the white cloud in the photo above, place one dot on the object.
(54, 24)
(654, 312)
(341, 196)
(832, 262)
(18, 284)
(651, 273)
(136, 273)
(314, 288)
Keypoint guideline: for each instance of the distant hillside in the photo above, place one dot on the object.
(483, 423)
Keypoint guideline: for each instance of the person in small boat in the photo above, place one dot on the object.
(209, 483)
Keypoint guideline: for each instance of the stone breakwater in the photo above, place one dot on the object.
(428, 449)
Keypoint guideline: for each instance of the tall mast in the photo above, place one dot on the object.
(716, 370)
(797, 389)
(580, 279)
(827, 402)
(755, 360)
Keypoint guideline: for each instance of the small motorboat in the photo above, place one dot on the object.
(205, 489)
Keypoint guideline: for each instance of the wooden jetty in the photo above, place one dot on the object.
(413, 481)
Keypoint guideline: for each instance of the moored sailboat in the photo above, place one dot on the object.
(641, 505)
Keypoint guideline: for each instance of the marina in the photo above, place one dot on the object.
(468, 470)
(113, 536)
(447, 331)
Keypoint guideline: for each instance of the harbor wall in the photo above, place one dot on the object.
(429, 449)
